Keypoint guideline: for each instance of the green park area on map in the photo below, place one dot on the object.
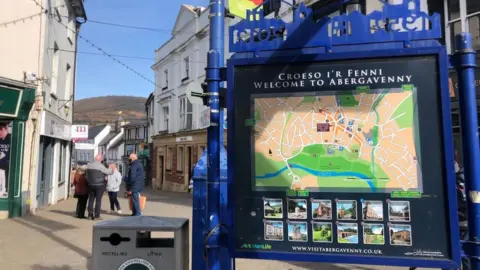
(359, 140)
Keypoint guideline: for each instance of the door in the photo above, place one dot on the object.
(44, 180)
(160, 172)
(189, 164)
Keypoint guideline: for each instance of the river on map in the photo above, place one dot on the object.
(319, 174)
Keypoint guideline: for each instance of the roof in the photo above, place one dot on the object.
(94, 131)
(136, 123)
(149, 99)
(116, 144)
(107, 138)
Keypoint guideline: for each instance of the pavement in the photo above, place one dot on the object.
(54, 240)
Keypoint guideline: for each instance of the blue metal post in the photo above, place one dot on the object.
(465, 65)
(214, 63)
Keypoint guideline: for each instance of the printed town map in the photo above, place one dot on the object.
(360, 140)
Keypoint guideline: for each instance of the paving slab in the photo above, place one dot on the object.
(54, 240)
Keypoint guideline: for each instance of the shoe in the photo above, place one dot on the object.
(119, 211)
(98, 218)
(90, 217)
(112, 211)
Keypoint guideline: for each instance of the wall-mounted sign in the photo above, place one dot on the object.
(79, 132)
(184, 139)
(55, 127)
(10, 99)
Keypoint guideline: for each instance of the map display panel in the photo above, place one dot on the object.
(360, 140)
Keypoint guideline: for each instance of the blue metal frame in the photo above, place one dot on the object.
(346, 53)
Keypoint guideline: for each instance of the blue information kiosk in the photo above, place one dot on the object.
(340, 143)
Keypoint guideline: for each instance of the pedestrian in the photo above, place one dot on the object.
(96, 173)
(190, 185)
(113, 187)
(81, 191)
(135, 182)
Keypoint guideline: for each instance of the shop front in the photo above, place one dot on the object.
(54, 160)
(174, 156)
(16, 101)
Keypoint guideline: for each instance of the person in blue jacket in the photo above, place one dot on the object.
(135, 183)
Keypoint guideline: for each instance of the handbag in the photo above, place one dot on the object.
(142, 200)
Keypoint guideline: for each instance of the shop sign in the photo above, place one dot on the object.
(184, 139)
(55, 127)
(10, 101)
(79, 132)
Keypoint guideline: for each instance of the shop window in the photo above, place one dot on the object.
(168, 165)
(61, 163)
(453, 9)
(180, 159)
(473, 6)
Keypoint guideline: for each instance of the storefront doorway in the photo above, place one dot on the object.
(45, 171)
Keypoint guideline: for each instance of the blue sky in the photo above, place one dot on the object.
(99, 75)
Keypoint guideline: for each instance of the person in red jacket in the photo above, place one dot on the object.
(81, 191)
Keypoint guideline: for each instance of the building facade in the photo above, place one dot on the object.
(180, 134)
(135, 141)
(150, 113)
(39, 56)
(85, 151)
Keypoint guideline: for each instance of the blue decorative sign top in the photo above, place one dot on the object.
(403, 22)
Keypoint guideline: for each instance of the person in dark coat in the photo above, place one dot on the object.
(135, 182)
(81, 191)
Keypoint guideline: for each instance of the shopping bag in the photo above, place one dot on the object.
(142, 199)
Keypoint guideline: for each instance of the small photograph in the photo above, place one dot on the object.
(322, 232)
(346, 210)
(297, 209)
(373, 234)
(372, 210)
(322, 209)
(272, 208)
(297, 231)
(399, 211)
(347, 233)
(400, 235)
(273, 230)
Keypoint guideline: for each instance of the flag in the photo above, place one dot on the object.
(239, 7)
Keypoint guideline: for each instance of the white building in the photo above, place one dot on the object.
(85, 151)
(179, 133)
(39, 62)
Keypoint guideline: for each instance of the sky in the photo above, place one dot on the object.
(98, 75)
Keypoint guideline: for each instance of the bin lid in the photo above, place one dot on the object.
(144, 223)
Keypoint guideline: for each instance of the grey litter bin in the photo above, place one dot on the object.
(127, 244)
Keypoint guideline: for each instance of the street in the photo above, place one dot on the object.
(54, 240)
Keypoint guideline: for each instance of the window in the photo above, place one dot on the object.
(201, 149)
(68, 82)
(141, 133)
(180, 159)
(165, 79)
(71, 25)
(165, 115)
(463, 15)
(55, 63)
(168, 165)
(186, 69)
(272, 6)
(185, 114)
